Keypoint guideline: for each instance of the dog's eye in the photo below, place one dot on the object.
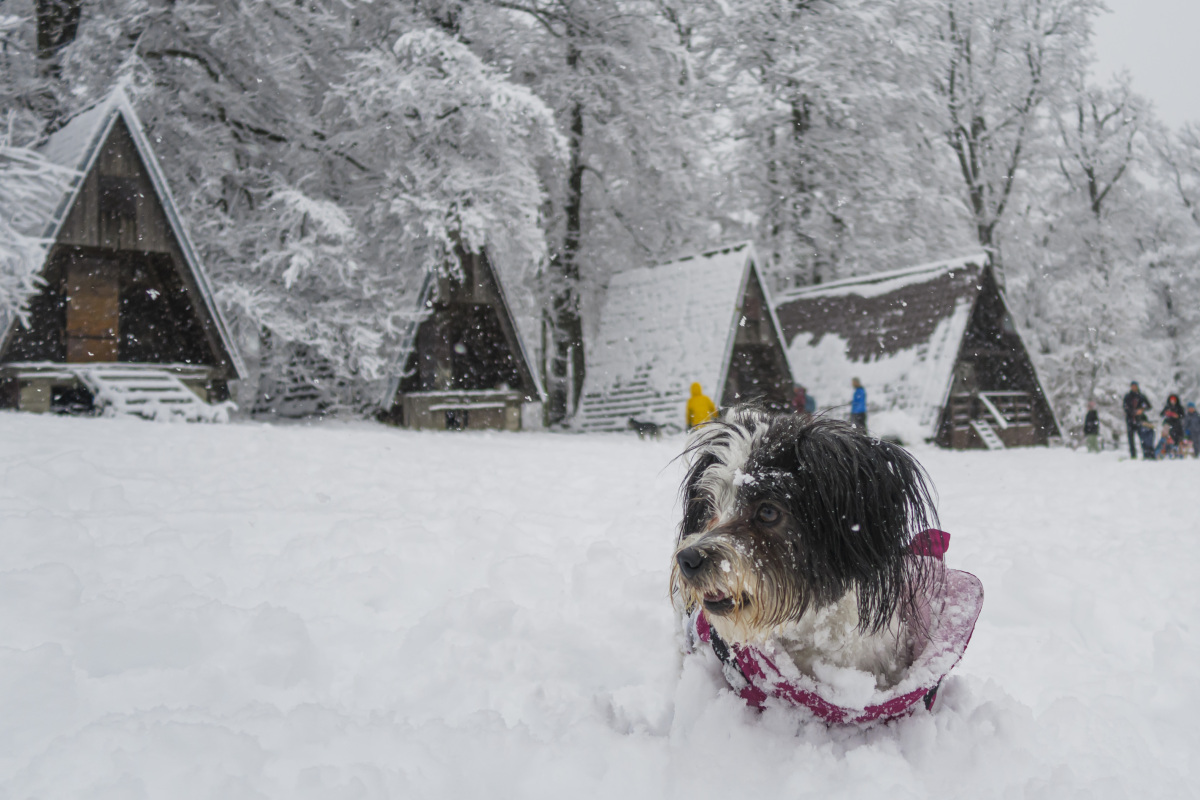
(767, 514)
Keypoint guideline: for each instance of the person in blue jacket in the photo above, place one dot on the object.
(858, 405)
(1191, 428)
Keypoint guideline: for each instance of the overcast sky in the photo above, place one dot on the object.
(1159, 42)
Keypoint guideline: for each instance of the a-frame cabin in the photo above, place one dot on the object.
(124, 313)
(464, 363)
(705, 318)
(935, 346)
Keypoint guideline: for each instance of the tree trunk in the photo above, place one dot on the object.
(57, 24)
(564, 381)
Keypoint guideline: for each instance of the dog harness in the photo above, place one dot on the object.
(950, 615)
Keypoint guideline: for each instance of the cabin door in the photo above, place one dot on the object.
(93, 294)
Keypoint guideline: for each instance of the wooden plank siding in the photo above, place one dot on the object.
(119, 183)
(93, 295)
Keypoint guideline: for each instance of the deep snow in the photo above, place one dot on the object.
(350, 611)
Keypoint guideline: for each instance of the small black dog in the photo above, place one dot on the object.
(797, 529)
(645, 429)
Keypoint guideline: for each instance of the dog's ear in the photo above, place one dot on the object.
(895, 503)
(858, 502)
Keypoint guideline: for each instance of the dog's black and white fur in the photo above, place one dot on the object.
(797, 529)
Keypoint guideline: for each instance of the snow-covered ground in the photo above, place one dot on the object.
(350, 611)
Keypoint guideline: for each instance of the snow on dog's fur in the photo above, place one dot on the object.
(797, 529)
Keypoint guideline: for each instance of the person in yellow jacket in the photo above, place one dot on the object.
(699, 408)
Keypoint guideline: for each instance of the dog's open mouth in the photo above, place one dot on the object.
(718, 602)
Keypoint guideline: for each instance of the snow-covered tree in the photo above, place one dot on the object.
(998, 63)
(30, 188)
(1097, 298)
(458, 166)
(1180, 154)
(326, 155)
(1172, 259)
(633, 187)
(830, 105)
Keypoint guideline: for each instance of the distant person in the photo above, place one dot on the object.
(800, 400)
(858, 405)
(1134, 401)
(810, 403)
(699, 408)
(1168, 446)
(1145, 433)
(1191, 428)
(1172, 415)
(1091, 428)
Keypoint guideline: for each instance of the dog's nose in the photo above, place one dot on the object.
(690, 561)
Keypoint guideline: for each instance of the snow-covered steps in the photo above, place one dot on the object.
(990, 439)
(145, 391)
(638, 398)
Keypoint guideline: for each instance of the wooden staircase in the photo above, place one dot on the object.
(638, 398)
(987, 434)
(123, 390)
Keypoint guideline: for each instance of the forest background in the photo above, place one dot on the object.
(327, 154)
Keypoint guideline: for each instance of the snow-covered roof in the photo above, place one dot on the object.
(72, 151)
(661, 329)
(523, 312)
(899, 332)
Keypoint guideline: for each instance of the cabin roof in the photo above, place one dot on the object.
(661, 329)
(72, 151)
(898, 331)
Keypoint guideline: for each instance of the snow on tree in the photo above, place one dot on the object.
(633, 188)
(326, 156)
(30, 188)
(458, 166)
(1098, 294)
(1000, 61)
(830, 100)
(1180, 154)
(1171, 261)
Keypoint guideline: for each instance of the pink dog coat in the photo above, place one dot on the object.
(950, 615)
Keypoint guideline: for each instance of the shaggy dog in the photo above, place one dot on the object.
(797, 529)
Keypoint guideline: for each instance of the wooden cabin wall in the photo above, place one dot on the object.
(158, 324)
(468, 310)
(993, 358)
(485, 361)
(991, 353)
(148, 312)
(758, 368)
(117, 214)
(117, 207)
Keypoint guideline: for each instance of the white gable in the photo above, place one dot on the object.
(661, 329)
